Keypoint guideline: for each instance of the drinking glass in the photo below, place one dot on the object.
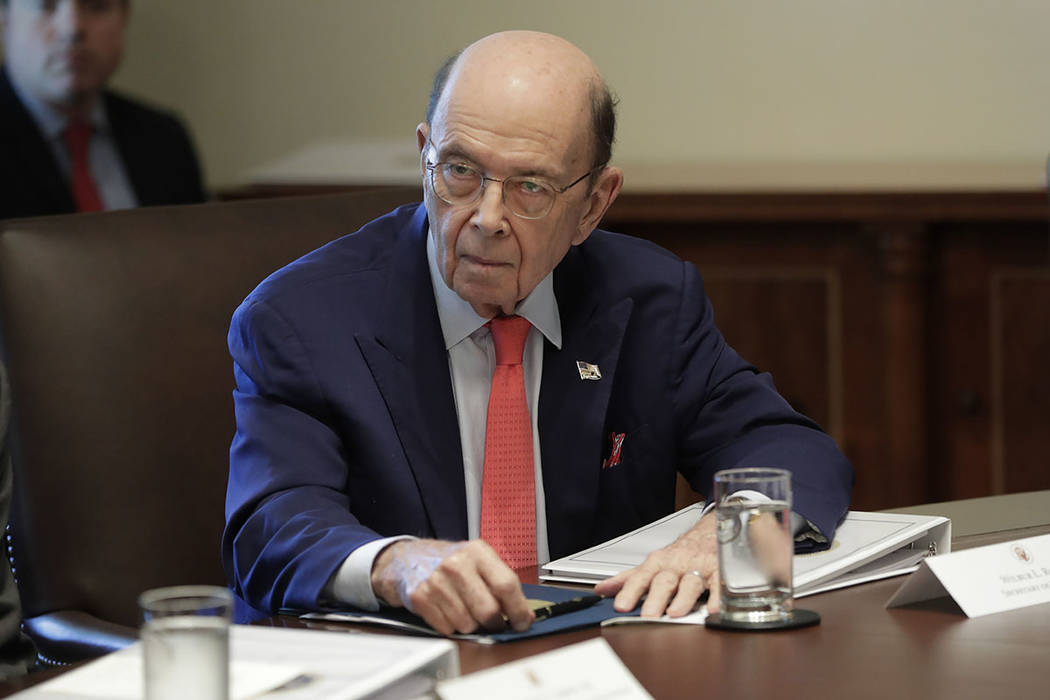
(755, 545)
(185, 642)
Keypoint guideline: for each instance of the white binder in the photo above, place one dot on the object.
(867, 546)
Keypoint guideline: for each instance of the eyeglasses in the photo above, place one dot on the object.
(526, 197)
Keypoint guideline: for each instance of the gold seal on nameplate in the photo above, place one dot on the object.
(1022, 554)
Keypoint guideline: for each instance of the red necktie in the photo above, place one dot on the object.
(508, 495)
(85, 193)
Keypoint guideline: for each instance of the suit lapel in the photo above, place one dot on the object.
(407, 358)
(35, 161)
(572, 410)
(140, 153)
(138, 158)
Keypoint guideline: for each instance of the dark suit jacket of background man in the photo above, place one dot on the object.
(347, 429)
(157, 152)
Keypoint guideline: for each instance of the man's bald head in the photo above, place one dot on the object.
(547, 55)
(505, 155)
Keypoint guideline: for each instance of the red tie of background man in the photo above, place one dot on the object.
(508, 494)
(85, 193)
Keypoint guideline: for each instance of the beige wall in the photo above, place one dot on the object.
(737, 81)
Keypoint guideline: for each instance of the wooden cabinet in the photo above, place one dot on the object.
(914, 327)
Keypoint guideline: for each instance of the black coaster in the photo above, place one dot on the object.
(796, 618)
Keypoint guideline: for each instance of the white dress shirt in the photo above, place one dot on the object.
(472, 360)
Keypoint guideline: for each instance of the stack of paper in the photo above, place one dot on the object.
(867, 547)
(289, 664)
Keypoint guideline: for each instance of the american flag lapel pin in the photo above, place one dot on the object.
(588, 371)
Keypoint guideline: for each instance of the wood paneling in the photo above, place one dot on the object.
(1020, 349)
(988, 332)
(880, 315)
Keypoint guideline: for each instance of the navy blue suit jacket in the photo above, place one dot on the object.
(347, 430)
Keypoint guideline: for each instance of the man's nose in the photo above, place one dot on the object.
(489, 213)
(67, 18)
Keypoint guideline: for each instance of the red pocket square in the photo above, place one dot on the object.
(616, 440)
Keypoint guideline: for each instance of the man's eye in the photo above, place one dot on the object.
(530, 187)
(459, 170)
(99, 5)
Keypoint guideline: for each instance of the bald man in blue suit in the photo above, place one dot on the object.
(353, 474)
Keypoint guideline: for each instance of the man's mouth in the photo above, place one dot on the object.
(482, 262)
(75, 59)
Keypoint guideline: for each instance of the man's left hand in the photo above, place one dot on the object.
(672, 578)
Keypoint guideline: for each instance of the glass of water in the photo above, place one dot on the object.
(185, 642)
(755, 545)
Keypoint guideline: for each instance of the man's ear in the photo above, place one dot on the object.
(422, 135)
(601, 197)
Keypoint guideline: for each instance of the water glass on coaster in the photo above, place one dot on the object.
(185, 642)
(755, 551)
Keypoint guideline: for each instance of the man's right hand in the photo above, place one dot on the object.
(454, 586)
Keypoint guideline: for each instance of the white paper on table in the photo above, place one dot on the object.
(300, 663)
(867, 547)
(586, 671)
(119, 676)
(697, 617)
(621, 553)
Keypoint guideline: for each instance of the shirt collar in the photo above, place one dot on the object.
(459, 320)
(50, 121)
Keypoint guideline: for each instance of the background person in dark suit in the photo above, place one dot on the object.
(364, 370)
(66, 143)
(17, 653)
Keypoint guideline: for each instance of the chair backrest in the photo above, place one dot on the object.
(115, 331)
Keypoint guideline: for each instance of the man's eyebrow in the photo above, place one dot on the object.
(538, 173)
(455, 151)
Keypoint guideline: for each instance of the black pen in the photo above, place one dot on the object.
(566, 606)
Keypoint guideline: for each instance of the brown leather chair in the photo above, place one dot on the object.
(115, 332)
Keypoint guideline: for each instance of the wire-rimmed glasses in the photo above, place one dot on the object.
(526, 196)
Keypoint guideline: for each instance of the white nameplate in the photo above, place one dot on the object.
(584, 671)
(984, 580)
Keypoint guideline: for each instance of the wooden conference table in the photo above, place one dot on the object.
(860, 649)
